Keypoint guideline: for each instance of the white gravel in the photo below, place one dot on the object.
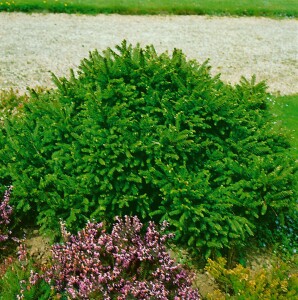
(31, 45)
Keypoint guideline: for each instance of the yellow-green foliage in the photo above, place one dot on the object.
(275, 281)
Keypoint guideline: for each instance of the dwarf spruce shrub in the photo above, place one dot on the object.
(138, 133)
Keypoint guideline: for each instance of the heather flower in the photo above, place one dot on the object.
(22, 251)
(64, 233)
(119, 265)
(21, 295)
(5, 213)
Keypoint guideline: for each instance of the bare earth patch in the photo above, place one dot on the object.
(32, 45)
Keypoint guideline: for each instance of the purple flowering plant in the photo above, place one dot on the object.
(5, 213)
(129, 263)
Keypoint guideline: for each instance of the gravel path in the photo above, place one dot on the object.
(32, 45)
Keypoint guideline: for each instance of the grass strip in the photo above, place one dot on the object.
(269, 8)
(286, 108)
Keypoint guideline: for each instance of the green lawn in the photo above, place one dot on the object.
(286, 107)
(271, 8)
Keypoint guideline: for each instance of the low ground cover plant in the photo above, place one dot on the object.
(138, 133)
(5, 217)
(10, 101)
(273, 281)
(14, 281)
(131, 262)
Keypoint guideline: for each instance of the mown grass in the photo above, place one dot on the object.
(286, 108)
(269, 8)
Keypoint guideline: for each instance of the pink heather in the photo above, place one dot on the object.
(120, 265)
